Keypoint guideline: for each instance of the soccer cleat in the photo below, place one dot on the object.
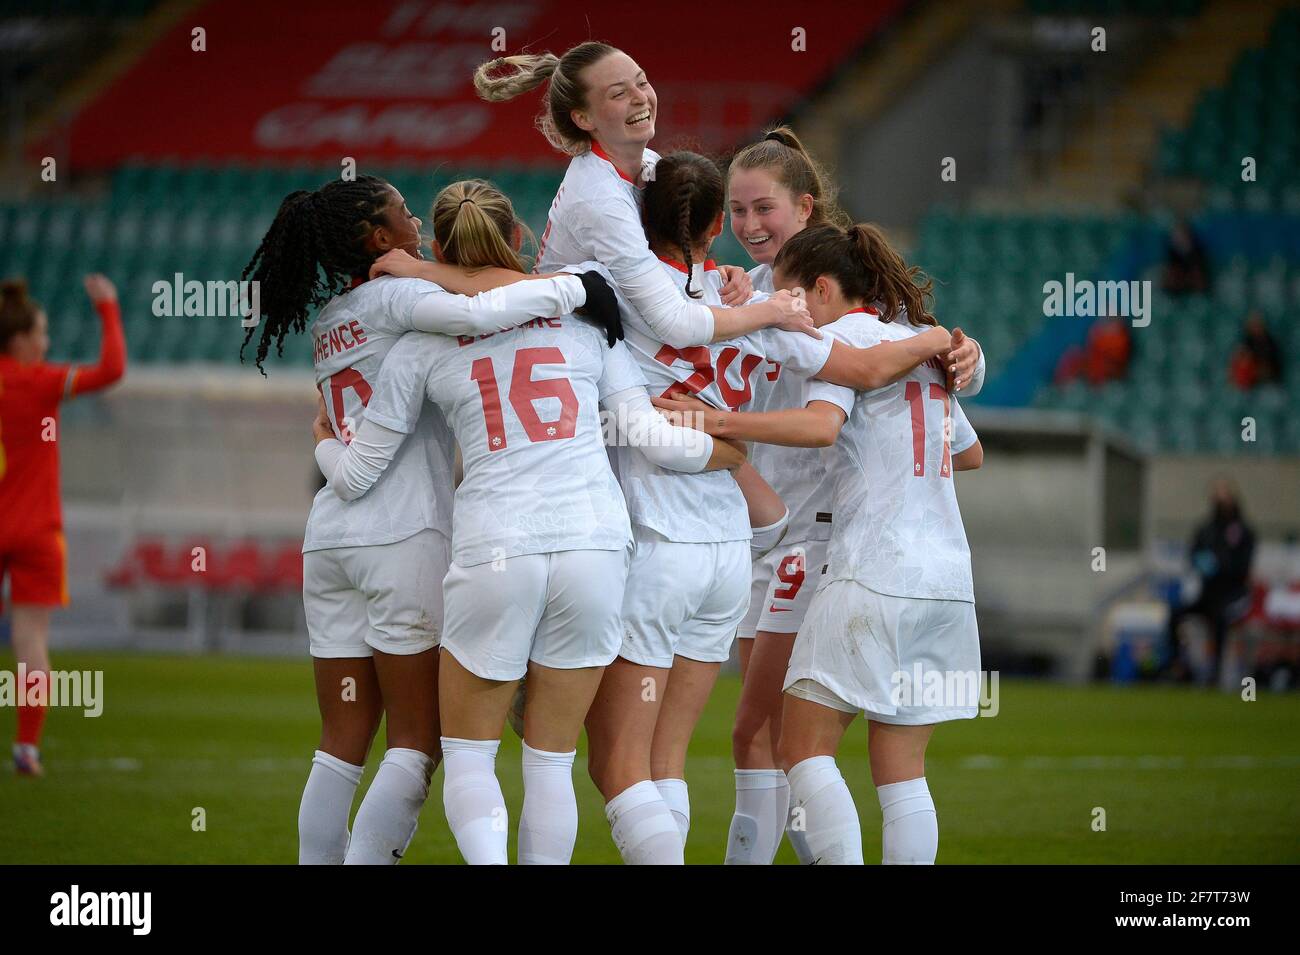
(27, 760)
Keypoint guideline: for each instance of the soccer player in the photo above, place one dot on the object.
(540, 539)
(372, 569)
(896, 604)
(775, 190)
(600, 108)
(32, 551)
(688, 585)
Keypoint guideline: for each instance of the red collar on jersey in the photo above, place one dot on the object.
(597, 150)
(357, 280)
(709, 264)
(861, 308)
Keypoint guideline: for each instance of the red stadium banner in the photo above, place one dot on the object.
(392, 80)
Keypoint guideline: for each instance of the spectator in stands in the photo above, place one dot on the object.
(1186, 268)
(1108, 351)
(1257, 360)
(1221, 552)
(1103, 358)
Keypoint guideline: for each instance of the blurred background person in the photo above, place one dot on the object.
(1257, 360)
(1221, 552)
(1187, 269)
(33, 555)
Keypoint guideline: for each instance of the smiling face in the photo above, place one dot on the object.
(763, 212)
(400, 229)
(621, 103)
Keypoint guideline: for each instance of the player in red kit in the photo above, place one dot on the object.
(32, 550)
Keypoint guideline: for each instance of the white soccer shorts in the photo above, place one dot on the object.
(385, 597)
(559, 610)
(683, 599)
(902, 660)
(783, 585)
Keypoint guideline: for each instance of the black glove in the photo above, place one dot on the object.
(602, 306)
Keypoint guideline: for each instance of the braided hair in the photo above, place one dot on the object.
(683, 200)
(314, 248)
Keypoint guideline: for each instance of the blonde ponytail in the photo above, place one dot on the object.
(474, 224)
(565, 92)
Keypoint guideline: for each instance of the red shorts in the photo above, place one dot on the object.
(37, 569)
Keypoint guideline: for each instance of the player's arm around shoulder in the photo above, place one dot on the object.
(816, 425)
(868, 362)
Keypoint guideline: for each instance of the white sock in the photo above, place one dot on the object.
(762, 808)
(548, 825)
(471, 795)
(798, 839)
(324, 810)
(643, 827)
(910, 826)
(829, 818)
(386, 821)
(678, 799)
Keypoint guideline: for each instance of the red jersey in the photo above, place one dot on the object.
(29, 420)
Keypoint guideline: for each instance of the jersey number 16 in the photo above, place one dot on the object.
(523, 392)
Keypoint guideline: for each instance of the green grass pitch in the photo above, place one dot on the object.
(1184, 776)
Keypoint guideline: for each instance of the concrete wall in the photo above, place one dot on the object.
(890, 172)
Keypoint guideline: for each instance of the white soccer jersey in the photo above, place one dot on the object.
(524, 405)
(350, 337)
(798, 475)
(897, 526)
(706, 507)
(596, 216)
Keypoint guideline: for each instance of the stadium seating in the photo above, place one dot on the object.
(203, 222)
(1253, 115)
(989, 270)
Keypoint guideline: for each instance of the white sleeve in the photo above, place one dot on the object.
(976, 378)
(497, 309)
(663, 444)
(801, 353)
(397, 397)
(619, 243)
(962, 435)
(620, 372)
(766, 539)
(838, 395)
(352, 469)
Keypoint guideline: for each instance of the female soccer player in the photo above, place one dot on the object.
(896, 605)
(689, 580)
(541, 534)
(775, 190)
(600, 109)
(372, 570)
(32, 552)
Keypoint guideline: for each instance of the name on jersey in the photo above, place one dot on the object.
(340, 338)
(464, 340)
